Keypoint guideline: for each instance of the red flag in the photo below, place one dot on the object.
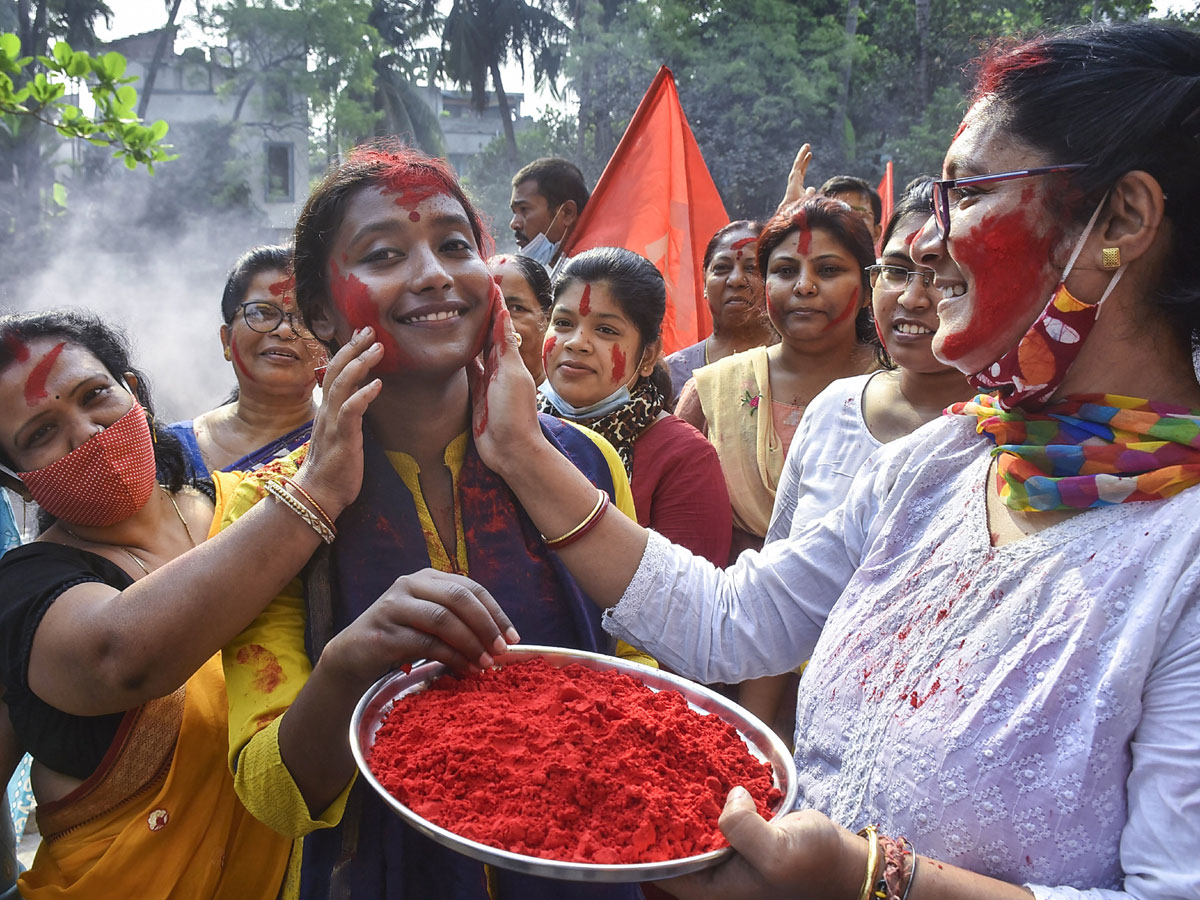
(885, 190)
(657, 198)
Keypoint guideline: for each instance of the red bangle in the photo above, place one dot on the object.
(583, 527)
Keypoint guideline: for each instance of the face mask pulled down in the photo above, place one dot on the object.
(1028, 375)
(539, 248)
(104, 480)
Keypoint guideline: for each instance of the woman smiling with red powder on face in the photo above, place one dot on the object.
(273, 356)
(602, 362)
(390, 243)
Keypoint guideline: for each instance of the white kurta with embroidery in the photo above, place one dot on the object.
(1030, 712)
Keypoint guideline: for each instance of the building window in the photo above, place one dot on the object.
(279, 172)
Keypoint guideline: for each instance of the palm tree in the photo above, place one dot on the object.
(480, 35)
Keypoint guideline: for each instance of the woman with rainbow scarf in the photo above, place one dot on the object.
(1003, 616)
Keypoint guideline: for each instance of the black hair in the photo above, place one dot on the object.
(916, 199)
(750, 225)
(535, 276)
(847, 228)
(851, 184)
(637, 287)
(110, 345)
(1119, 97)
(558, 180)
(267, 258)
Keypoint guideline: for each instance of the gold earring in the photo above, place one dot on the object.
(1110, 257)
(228, 356)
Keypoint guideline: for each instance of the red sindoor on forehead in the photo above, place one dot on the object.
(35, 385)
(585, 302)
(16, 347)
(284, 286)
(738, 245)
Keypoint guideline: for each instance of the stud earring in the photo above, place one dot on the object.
(228, 356)
(1110, 257)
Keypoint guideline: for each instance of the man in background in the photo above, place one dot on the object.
(548, 197)
(860, 197)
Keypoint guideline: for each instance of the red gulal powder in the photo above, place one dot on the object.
(566, 763)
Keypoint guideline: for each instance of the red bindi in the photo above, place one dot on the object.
(35, 386)
(585, 302)
(414, 216)
(618, 364)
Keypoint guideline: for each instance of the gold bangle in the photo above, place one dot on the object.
(307, 498)
(279, 492)
(872, 836)
(601, 499)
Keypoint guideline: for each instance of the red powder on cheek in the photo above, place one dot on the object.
(585, 302)
(618, 365)
(238, 362)
(354, 301)
(851, 308)
(268, 673)
(547, 349)
(35, 386)
(1007, 261)
(566, 763)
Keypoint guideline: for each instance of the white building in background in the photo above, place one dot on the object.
(197, 86)
(466, 129)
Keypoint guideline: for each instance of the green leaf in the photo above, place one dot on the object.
(60, 195)
(62, 52)
(10, 45)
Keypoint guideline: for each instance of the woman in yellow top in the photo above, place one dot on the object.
(109, 622)
(388, 241)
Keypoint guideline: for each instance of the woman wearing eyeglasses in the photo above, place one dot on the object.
(854, 417)
(273, 357)
(1003, 616)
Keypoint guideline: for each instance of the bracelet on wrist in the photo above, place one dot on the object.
(280, 493)
(583, 527)
(867, 891)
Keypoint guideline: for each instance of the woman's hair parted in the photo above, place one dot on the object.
(637, 287)
(535, 276)
(845, 226)
(267, 258)
(1120, 97)
(388, 164)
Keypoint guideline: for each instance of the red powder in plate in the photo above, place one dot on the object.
(585, 302)
(35, 385)
(566, 763)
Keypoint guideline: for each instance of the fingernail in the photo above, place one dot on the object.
(377, 347)
(499, 647)
(738, 793)
(513, 637)
(486, 661)
(357, 332)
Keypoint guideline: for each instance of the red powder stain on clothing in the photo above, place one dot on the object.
(238, 362)
(16, 348)
(268, 673)
(1007, 256)
(618, 365)
(35, 385)
(284, 286)
(851, 309)
(916, 701)
(547, 349)
(585, 302)
(354, 300)
(566, 763)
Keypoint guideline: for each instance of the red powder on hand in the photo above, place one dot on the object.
(569, 764)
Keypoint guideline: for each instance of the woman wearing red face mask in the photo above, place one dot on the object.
(1003, 614)
(110, 621)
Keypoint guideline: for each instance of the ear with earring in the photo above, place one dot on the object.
(228, 355)
(1110, 257)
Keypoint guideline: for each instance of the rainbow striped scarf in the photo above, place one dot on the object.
(1089, 450)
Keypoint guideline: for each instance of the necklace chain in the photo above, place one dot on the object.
(141, 565)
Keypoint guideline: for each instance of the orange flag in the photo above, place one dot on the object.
(657, 198)
(885, 191)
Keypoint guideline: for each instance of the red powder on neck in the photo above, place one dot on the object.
(585, 302)
(851, 308)
(618, 365)
(568, 764)
(16, 348)
(354, 300)
(35, 386)
(238, 362)
(1007, 259)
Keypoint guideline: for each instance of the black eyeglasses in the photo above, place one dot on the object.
(265, 317)
(897, 278)
(941, 189)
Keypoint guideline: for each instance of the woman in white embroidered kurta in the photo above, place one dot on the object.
(1014, 689)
